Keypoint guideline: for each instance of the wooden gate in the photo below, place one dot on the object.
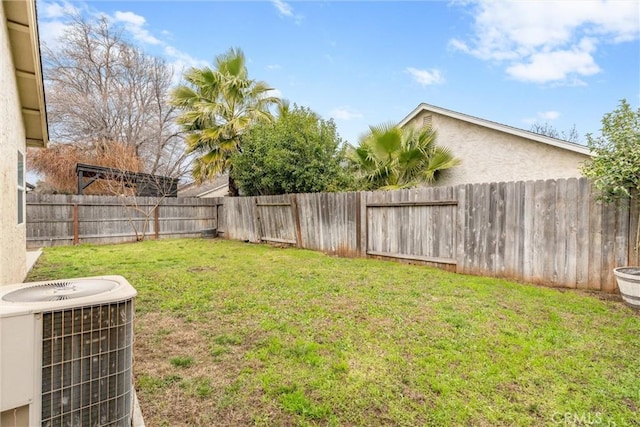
(278, 222)
(416, 231)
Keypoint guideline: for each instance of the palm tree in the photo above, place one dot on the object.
(218, 105)
(390, 158)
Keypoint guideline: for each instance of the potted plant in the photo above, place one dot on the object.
(615, 172)
(628, 279)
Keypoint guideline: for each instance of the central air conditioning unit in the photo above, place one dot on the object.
(66, 353)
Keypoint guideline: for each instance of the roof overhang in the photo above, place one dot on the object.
(554, 142)
(22, 25)
(213, 190)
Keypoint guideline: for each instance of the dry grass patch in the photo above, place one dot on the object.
(188, 374)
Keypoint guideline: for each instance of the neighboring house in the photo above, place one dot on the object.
(491, 152)
(23, 124)
(219, 187)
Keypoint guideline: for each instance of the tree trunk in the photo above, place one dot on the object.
(233, 190)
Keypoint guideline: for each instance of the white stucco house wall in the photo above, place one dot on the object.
(493, 152)
(23, 124)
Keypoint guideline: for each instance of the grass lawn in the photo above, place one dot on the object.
(229, 333)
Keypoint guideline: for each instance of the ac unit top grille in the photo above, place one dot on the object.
(60, 290)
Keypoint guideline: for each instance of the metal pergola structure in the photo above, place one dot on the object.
(145, 184)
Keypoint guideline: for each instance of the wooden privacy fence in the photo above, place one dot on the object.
(54, 220)
(551, 232)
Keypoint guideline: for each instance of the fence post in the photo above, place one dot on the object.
(459, 231)
(358, 224)
(219, 214)
(76, 225)
(156, 221)
(364, 223)
(296, 217)
(258, 221)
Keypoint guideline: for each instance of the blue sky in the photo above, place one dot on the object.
(368, 62)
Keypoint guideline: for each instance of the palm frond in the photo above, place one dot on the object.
(389, 157)
(441, 160)
(218, 105)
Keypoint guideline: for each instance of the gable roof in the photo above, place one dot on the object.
(193, 189)
(145, 184)
(554, 142)
(25, 48)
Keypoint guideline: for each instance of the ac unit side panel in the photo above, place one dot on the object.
(17, 356)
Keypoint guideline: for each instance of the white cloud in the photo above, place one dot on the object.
(545, 42)
(130, 18)
(549, 115)
(555, 66)
(426, 77)
(177, 60)
(56, 10)
(275, 92)
(285, 9)
(52, 20)
(135, 25)
(542, 116)
(345, 113)
(174, 53)
(459, 45)
(51, 31)
(180, 61)
(272, 67)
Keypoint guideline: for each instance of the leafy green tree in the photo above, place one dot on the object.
(390, 157)
(298, 153)
(615, 166)
(218, 106)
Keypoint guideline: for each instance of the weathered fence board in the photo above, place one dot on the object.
(54, 220)
(582, 234)
(329, 222)
(277, 219)
(551, 232)
(608, 247)
(240, 219)
(595, 243)
(402, 226)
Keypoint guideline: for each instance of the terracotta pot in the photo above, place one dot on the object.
(629, 284)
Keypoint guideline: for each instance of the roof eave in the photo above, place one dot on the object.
(22, 26)
(581, 149)
(213, 190)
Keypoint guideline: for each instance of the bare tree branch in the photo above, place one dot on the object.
(548, 130)
(101, 90)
